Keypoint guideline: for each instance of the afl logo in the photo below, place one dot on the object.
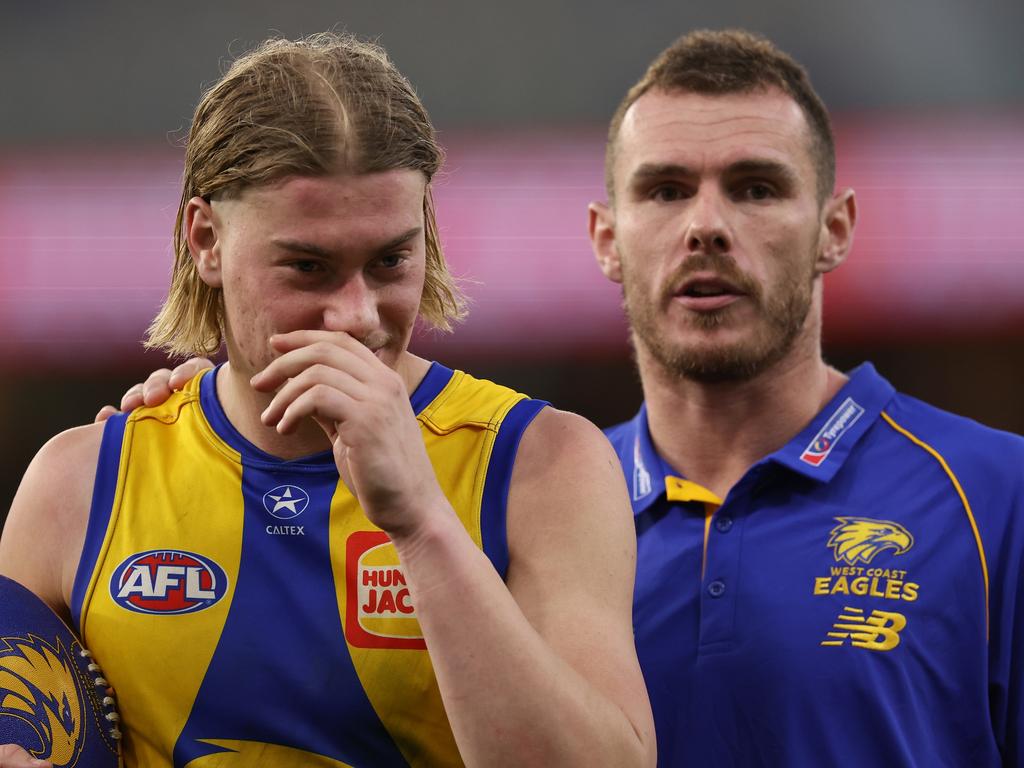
(286, 501)
(168, 581)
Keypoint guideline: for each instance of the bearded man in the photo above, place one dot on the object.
(828, 570)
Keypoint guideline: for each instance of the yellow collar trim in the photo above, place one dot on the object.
(678, 489)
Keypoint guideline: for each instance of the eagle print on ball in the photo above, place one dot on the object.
(54, 701)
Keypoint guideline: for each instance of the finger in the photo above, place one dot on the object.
(323, 403)
(341, 460)
(13, 756)
(185, 372)
(316, 375)
(285, 342)
(132, 399)
(104, 413)
(292, 363)
(155, 389)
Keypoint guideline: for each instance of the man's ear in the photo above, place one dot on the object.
(602, 239)
(201, 233)
(837, 225)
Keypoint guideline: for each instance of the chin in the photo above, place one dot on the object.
(716, 359)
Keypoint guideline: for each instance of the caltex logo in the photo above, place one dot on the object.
(286, 501)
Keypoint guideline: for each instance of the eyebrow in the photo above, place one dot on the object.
(316, 250)
(769, 168)
(651, 171)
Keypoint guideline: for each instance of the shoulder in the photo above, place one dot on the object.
(986, 464)
(568, 510)
(558, 439)
(622, 436)
(43, 535)
(567, 479)
(620, 432)
(447, 400)
(62, 472)
(971, 450)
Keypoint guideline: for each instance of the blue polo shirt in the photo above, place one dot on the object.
(854, 601)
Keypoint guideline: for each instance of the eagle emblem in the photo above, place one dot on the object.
(36, 679)
(859, 539)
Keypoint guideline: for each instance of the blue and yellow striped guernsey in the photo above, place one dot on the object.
(244, 608)
(856, 599)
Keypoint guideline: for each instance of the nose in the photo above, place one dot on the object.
(707, 230)
(352, 308)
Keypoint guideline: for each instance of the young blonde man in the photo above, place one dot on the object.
(328, 551)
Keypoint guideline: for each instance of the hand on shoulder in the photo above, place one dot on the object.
(157, 387)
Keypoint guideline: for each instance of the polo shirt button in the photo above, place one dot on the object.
(723, 524)
(716, 588)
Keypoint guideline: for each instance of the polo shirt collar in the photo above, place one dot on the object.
(818, 451)
(823, 446)
(645, 469)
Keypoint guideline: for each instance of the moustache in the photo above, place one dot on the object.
(721, 266)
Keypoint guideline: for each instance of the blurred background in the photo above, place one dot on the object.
(927, 98)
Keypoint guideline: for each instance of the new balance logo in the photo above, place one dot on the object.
(878, 632)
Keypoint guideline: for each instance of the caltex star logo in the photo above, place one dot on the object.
(286, 501)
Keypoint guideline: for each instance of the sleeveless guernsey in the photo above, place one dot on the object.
(246, 611)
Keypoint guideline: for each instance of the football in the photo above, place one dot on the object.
(54, 701)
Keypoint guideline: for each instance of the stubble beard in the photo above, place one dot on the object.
(782, 317)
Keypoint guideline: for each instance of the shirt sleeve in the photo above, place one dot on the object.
(1006, 615)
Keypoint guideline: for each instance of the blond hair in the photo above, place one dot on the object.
(712, 63)
(308, 107)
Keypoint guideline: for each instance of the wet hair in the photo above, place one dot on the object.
(324, 104)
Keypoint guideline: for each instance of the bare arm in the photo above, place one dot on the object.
(545, 671)
(42, 538)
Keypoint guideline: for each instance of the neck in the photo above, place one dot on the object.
(713, 432)
(243, 405)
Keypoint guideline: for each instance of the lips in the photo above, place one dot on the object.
(706, 292)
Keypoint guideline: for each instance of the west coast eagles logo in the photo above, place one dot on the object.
(859, 539)
(35, 678)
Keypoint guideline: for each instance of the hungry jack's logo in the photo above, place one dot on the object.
(379, 611)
